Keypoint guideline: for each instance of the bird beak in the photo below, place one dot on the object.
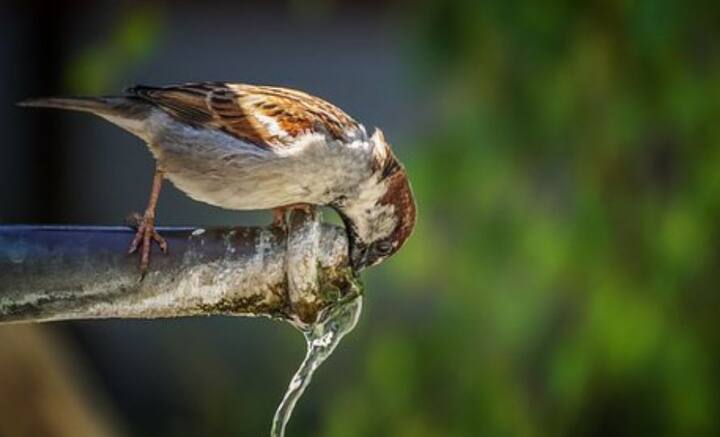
(359, 259)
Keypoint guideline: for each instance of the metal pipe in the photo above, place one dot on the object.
(82, 272)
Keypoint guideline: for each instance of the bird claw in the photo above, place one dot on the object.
(142, 242)
(280, 214)
(279, 219)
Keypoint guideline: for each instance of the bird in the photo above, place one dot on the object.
(252, 147)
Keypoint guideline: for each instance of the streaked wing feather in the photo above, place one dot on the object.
(265, 116)
(187, 102)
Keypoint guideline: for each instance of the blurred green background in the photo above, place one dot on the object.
(562, 280)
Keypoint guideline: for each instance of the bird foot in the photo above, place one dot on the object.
(144, 237)
(279, 219)
(279, 215)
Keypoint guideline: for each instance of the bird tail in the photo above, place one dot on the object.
(117, 106)
(128, 112)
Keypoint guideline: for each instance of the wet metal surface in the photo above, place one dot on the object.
(78, 272)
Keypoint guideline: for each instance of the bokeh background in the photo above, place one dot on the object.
(562, 280)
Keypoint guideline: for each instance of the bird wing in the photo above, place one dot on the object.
(268, 117)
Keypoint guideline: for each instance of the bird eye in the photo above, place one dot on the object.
(383, 247)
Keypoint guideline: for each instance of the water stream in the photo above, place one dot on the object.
(321, 339)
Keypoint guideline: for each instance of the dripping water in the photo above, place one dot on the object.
(321, 338)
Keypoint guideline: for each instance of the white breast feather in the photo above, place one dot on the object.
(216, 168)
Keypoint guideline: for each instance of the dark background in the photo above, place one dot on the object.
(562, 279)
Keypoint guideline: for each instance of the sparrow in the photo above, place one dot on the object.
(250, 147)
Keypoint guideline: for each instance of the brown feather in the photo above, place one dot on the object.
(399, 194)
(247, 112)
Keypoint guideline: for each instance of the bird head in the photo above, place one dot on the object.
(380, 215)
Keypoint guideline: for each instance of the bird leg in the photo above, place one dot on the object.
(146, 227)
(279, 214)
(279, 218)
